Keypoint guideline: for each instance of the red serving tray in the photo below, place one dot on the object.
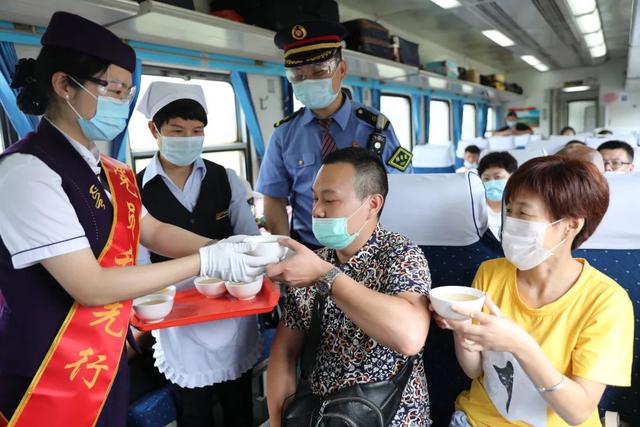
(190, 306)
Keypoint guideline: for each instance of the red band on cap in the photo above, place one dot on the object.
(311, 40)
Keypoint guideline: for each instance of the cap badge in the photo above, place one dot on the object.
(298, 32)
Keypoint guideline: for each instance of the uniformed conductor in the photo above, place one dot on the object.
(329, 121)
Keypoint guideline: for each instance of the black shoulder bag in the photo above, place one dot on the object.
(371, 405)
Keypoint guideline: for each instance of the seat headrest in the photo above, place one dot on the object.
(501, 143)
(619, 228)
(433, 156)
(436, 209)
(523, 156)
(521, 141)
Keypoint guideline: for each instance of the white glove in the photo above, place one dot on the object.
(229, 261)
(238, 238)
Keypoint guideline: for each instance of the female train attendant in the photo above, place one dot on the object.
(557, 330)
(68, 216)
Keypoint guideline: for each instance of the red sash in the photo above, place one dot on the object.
(73, 381)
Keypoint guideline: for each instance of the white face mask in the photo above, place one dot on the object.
(523, 242)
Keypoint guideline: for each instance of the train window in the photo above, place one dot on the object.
(439, 122)
(491, 119)
(222, 131)
(469, 120)
(397, 109)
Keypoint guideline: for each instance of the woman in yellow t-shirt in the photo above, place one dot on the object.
(556, 330)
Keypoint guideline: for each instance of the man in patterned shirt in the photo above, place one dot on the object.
(377, 283)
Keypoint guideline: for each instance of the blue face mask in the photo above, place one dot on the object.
(494, 189)
(512, 123)
(333, 233)
(315, 94)
(110, 118)
(181, 150)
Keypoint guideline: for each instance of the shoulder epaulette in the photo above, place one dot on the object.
(370, 117)
(288, 118)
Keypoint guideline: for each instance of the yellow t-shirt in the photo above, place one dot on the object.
(588, 332)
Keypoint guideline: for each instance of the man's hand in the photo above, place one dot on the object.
(302, 269)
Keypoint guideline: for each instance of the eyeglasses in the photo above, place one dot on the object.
(322, 70)
(615, 164)
(113, 88)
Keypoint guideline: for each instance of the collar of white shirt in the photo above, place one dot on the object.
(155, 168)
(90, 155)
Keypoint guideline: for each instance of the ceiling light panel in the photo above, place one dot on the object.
(594, 39)
(498, 38)
(446, 4)
(580, 7)
(598, 51)
(589, 23)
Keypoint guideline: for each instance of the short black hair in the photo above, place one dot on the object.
(614, 145)
(498, 159)
(186, 109)
(473, 149)
(512, 114)
(605, 132)
(566, 128)
(371, 176)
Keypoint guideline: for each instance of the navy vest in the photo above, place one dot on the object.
(34, 305)
(210, 217)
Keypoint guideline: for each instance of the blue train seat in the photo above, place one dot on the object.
(614, 249)
(447, 216)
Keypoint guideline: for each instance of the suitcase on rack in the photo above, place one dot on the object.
(368, 37)
(277, 14)
(405, 51)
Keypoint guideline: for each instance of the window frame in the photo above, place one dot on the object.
(448, 103)
(412, 143)
(475, 119)
(243, 143)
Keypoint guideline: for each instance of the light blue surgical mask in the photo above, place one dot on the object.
(512, 123)
(181, 150)
(315, 94)
(494, 189)
(109, 120)
(333, 233)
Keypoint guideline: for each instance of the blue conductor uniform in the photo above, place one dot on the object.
(294, 156)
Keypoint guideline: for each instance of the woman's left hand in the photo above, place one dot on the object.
(492, 332)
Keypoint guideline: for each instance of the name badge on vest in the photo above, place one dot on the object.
(221, 215)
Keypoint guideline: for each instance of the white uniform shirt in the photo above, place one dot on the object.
(202, 354)
(37, 220)
(495, 222)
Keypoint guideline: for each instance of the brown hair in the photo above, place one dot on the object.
(569, 188)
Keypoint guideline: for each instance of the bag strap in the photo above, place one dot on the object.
(312, 343)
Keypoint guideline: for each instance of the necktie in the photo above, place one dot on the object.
(328, 143)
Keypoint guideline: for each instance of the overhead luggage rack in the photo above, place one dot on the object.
(173, 27)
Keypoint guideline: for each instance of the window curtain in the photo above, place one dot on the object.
(427, 113)
(287, 97)
(357, 94)
(499, 117)
(415, 118)
(375, 98)
(243, 95)
(457, 106)
(120, 145)
(483, 110)
(22, 123)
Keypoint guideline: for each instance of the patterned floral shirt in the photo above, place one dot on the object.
(387, 263)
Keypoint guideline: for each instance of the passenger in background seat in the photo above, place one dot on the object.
(470, 157)
(513, 127)
(181, 188)
(374, 284)
(555, 331)
(579, 151)
(568, 131)
(617, 155)
(495, 169)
